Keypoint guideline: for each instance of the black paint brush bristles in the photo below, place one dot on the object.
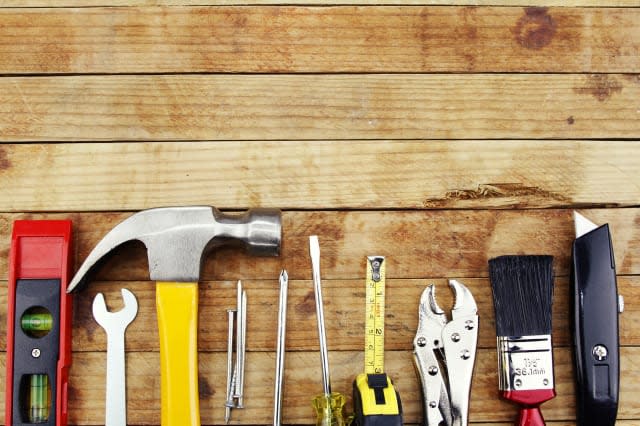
(522, 294)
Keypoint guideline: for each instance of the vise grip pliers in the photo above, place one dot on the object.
(444, 353)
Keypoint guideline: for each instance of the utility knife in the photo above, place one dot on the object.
(596, 305)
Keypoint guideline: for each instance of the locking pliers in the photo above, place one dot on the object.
(444, 353)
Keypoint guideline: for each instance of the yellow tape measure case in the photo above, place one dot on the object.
(375, 401)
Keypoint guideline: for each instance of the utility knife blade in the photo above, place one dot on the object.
(596, 306)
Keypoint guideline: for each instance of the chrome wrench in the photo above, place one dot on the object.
(115, 324)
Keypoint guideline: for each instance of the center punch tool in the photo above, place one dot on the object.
(596, 305)
(444, 354)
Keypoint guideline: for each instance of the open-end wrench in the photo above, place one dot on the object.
(115, 324)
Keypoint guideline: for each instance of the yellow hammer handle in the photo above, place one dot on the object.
(177, 305)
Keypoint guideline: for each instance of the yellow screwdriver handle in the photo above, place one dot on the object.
(329, 409)
(177, 305)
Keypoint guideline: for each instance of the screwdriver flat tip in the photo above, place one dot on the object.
(314, 247)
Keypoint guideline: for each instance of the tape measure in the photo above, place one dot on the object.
(375, 400)
(374, 316)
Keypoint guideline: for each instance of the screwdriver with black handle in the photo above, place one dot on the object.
(328, 405)
(375, 401)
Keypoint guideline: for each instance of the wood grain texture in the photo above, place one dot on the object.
(344, 310)
(438, 136)
(302, 382)
(429, 244)
(320, 174)
(322, 39)
(529, 3)
(277, 107)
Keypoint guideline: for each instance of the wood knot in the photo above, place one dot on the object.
(308, 305)
(4, 160)
(535, 29)
(600, 86)
(205, 390)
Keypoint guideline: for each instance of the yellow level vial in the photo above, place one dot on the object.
(374, 319)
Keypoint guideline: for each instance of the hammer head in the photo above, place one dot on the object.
(178, 238)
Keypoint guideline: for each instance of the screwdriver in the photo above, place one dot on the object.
(328, 405)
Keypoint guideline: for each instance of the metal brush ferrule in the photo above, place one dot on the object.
(525, 362)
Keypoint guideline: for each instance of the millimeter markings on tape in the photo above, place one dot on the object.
(374, 319)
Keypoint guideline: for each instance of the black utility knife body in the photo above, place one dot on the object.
(596, 306)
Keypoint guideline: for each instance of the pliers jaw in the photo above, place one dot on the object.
(444, 354)
(465, 305)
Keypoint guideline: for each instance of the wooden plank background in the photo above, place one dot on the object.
(437, 133)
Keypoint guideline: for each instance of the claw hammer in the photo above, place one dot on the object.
(177, 239)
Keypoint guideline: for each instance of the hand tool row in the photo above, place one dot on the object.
(177, 240)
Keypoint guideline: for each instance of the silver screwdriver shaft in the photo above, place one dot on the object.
(314, 251)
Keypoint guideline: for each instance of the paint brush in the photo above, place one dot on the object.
(522, 297)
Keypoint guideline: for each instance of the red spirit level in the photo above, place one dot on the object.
(38, 323)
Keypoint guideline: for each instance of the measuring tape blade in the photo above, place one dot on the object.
(375, 400)
(374, 319)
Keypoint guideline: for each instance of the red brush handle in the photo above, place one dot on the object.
(530, 401)
(530, 416)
